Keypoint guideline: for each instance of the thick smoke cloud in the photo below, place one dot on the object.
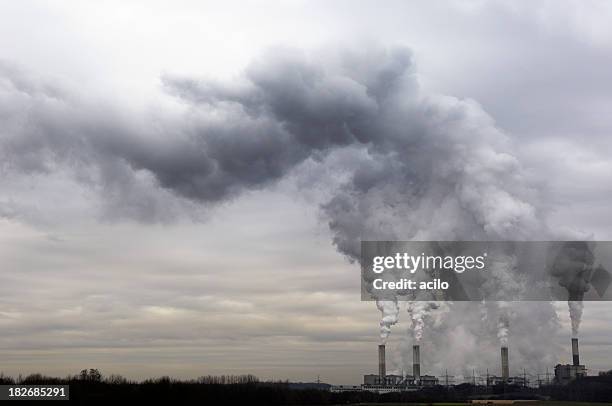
(420, 166)
(418, 149)
(433, 168)
(429, 167)
(390, 315)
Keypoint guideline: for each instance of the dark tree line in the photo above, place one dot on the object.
(228, 379)
(91, 387)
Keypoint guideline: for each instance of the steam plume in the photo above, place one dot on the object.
(575, 309)
(573, 267)
(503, 328)
(503, 281)
(418, 311)
(389, 315)
(406, 165)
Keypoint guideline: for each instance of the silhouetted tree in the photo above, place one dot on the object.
(93, 375)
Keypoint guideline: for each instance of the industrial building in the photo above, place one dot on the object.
(513, 380)
(386, 383)
(564, 374)
(505, 378)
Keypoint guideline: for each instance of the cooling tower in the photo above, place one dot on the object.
(382, 372)
(416, 362)
(575, 353)
(504, 363)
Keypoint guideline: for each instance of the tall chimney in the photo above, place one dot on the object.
(416, 362)
(575, 353)
(382, 372)
(504, 364)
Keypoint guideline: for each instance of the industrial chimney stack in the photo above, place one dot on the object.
(575, 353)
(504, 364)
(382, 370)
(416, 362)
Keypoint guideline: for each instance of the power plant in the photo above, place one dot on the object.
(386, 383)
(564, 374)
(383, 383)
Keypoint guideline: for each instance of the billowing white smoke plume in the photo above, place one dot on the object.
(575, 309)
(389, 310)
(503, 281)
(503, 329)
(418, 312)
(406, 165)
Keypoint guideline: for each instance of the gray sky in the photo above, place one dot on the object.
(121, 251)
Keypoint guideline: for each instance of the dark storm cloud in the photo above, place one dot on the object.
(289, 110)
(414, 152)
(45, 131)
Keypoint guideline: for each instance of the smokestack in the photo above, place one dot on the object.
(504, 363)
(381, 363)
(575, 353)
(416, 362)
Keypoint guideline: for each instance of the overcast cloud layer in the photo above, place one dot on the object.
(165, 168)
